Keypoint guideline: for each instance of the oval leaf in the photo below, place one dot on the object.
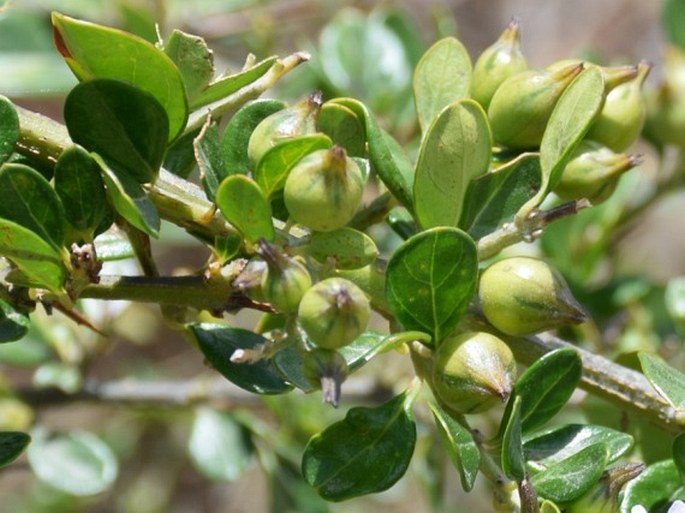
(513, 460)
(442, 76)
(654, 487)
(9, 128)
(460, 445)
(193, 59)
(94, 51)
(12, 444)
(78, 463)
(431, 279)
(28, 199)
(366, 452)
(243, 204)
(14, 324)
(344, 128)
(209, 158)
(455, 150)
(347, 247)
(218, 342)
(123, 124)
(669, 382)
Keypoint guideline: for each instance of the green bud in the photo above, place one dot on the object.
(522, 295)
(522, 105)
(333, 313)
(473, 372)
(296, 120)
(593, 173)
(326, 369)
(603, 498)
(324, 190)
(620, 121)
(286, 279)
(497, 63)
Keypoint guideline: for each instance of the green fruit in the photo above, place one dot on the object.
(296, 120)
(333, 313)
(285, 280)
(326, 369)
(249, 281)
(593, 173)
(473, 372)
(665, 122)
(324, 190)
(620, 121)
(521, 106)
(497, 63)
(613, 75)
(522, 295)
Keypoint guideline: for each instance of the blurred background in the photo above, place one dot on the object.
(362, 49)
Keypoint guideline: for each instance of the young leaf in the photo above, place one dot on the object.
(243, 204)
(431, 279)
(218, 342)
(129, 199)
(9, 128)
(461, 447)
(551, 446)
(123, 124)
(455, 150)
(573, 477)
(94, 51)
(193, 59)
(79, 185)
(366, 452)
(209, 158)
(12, 444)
(669, 382)
(78, 463)
(344, 128)
(493, 199)
(219, 446)
(513, 460)
(442, 76)
(28, 199)
(238, 131)
(655, 486)
(349, 248)
(14, 324)
(226, 86)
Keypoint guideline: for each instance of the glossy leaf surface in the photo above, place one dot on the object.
(14, 324)
(218, 342)
(243, 204)
(9, 128)
(431, 279)
(12, 444)
(455, 150)
(513, 460)
(366, 452)
(658, 484)
(669, 382)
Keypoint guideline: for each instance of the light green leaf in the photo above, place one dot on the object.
(193, 59)
(669, 382)
(243, 204)
(9, 128)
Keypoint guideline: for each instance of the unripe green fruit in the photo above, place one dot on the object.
(473, 372)
(521, 106)
(333, 313)
(613, 75)
(593, 173)
(285, 280)
(522, 295)
(296, 120)
(620, 121)
(497, 63)
(324, 190)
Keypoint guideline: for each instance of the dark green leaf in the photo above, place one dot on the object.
(9, 128)
(80, 187)
(550, 446)
(129, 199)
(669, 382)
(28, 199)
(219, 446)
(673, 17)
(653, 488)
(494, 198)
(243, 204)
(12, 444)
(193, 59)
(218, 343)
(513, 460)
(209, 158)
(40, 262)
(431, 279)
(289, 493)
(442, 76)
(226, 86)
(679, 453)
(14, 324)
(402, 223)
(460, 445)
(349, 248)
(277, 162)
(455, 150)
(344, 128)
(238, 131)
(367, 452)
(571, 478)
(180, 155)
(93, 51)
(78, 463)
(123, 124)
